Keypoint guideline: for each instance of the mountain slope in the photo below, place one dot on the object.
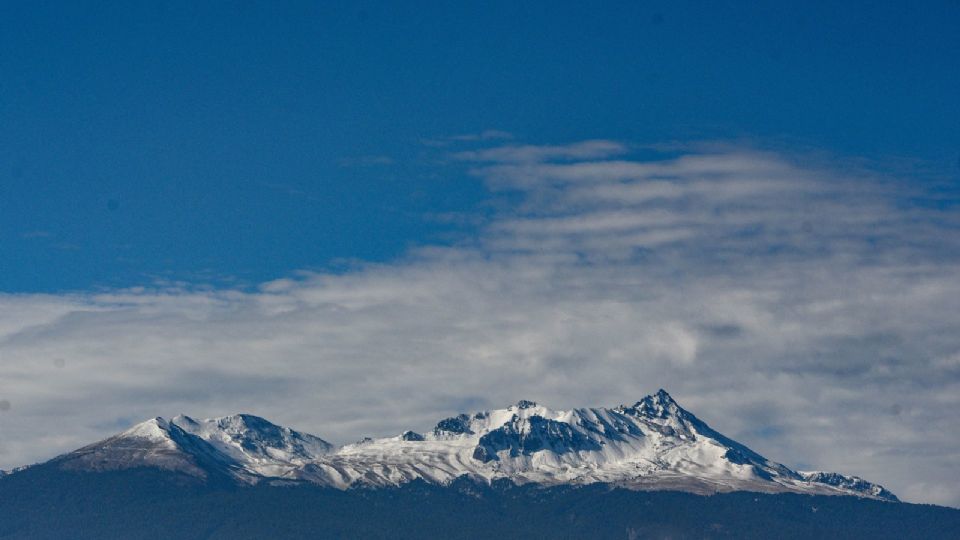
(256, 445)
(654, 444)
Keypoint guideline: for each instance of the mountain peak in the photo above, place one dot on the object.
(182, 419)
(659, 405)
(660, 398)
(253, 440)
(155, 429)
(455, 425)
(526, 404)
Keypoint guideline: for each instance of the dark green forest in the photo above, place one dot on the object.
(44, 502)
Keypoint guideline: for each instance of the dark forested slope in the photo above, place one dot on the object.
(46, 502)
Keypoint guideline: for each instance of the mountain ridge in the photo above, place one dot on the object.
(654, 444)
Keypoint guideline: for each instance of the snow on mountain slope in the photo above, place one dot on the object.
(255, 444)
(850, 483)
(652, 444)
(154, 443)
(244, 447)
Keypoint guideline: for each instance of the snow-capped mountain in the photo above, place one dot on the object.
(653, 444)
(244, 447)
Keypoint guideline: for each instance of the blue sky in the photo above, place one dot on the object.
(209, 208)
(242, 141)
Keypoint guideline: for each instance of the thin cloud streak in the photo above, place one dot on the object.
(534, 153)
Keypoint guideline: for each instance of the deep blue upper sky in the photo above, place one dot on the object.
(203, 141)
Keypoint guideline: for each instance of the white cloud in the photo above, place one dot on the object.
(809, 312)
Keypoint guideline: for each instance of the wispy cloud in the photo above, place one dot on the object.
(366, 161)
(809, 310)
(534, 153)
(481, 137)
(486, 135)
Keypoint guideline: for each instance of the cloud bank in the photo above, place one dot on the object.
(805, 307)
